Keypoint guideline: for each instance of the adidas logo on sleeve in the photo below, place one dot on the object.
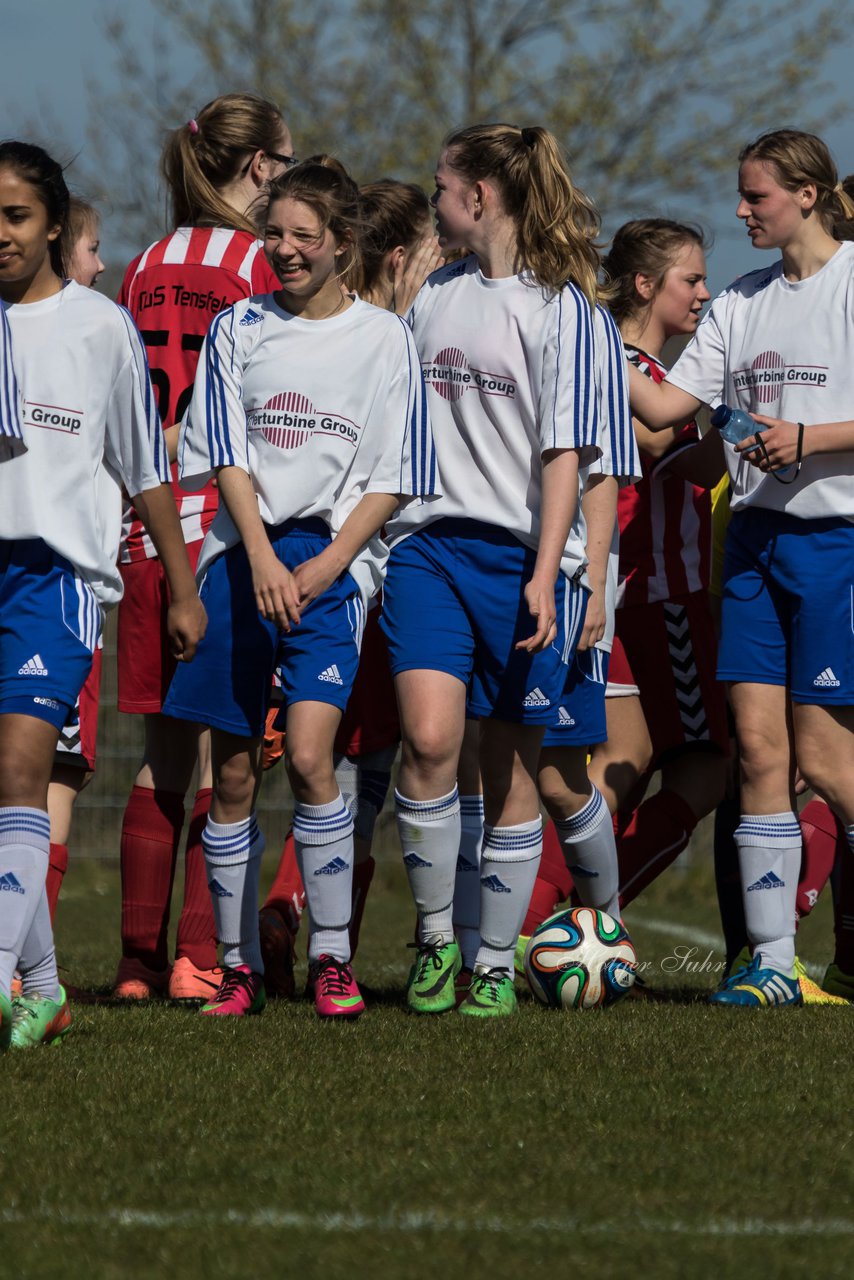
(251, 317)
(34, 666)
(331, 675)
(826, 680)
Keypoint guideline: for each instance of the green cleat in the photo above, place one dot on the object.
(838, 983)
(431, 989)
(5, 1022)
(491, 994)
(39, 1020)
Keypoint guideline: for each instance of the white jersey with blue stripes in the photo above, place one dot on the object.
(90, 426)
(318, 412)
(510, 373)
(11, 435)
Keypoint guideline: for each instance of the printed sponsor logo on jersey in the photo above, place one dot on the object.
(536, 698)
(492, 882)
(331, 675)
(34, 666)
(452, 375)
(564, 719)
(52, 417)
(413, 860)
(826, 680)
(251, 317)
(333, 868)
(288, 419)
(9, 883)
(219, 889)
(769, 373)
(768, 881)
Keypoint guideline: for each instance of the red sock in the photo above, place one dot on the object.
(363, 874)
(151, 831)
(657, 833)
(196, 928)
(56, 869)
(553, 884)
(820, 830)
(287, 892)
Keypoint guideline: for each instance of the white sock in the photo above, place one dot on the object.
(37, 962)
(508, 870)
(467, 882)
(430, 838)
(323, 839)
(233, 859)
(769, 856)
(587, 840)
(24, 853)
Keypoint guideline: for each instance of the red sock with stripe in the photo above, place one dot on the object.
(196, 927)
(653, 838)
(56, 869)
(553, 884)
(287, 892)
(151, 831)
(821, 830)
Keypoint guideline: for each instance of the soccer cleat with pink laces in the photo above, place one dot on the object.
(334, 988)
(240, 993)
(189, 984)
(135, 981)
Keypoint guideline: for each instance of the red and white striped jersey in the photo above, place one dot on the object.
(174, 290)
(665, 522)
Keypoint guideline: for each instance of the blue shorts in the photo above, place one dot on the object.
(580, 720)
(453, 601)
(788, 605)
(50, 621)
(227, 685)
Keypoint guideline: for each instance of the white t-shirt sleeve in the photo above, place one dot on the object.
(701, 368)
(10, 398)
(407, 463)
(567, 406)
(133, 438)
(213, 433)
(616, 435)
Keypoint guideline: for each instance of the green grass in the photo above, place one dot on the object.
(666, 1137)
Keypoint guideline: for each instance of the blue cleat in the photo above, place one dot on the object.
(752, 987)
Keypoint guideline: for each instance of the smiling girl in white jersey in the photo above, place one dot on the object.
(780, 343)
(485, 594)
(309, 407)
(89, 426)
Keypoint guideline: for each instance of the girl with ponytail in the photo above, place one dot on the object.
(486, 590)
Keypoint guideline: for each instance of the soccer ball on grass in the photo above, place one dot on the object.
(580, 959)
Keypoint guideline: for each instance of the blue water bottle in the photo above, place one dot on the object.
(733, 424)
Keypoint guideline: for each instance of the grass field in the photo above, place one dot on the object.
(664, 1137)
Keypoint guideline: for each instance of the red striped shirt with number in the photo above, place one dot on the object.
(173, 291)
(665, 522)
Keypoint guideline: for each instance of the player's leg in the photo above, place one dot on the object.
(467, 881)
(195, 974)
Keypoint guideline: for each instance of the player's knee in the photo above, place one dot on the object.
(428, 750)
(235, 783)
(308, 764)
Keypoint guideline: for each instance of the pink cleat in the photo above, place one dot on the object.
(334, 988)
(241, 992)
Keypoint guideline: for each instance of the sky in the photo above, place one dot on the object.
(52, 48)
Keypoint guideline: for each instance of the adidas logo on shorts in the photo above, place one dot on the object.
(331, 675)
(11, 884)
(826, 680)
(564, 719)
(251, 317)
(34, 666)
(536, 698)
(768, 881)
(332, 868)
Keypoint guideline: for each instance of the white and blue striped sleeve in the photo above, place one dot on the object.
(213, 433)
(10, 399)
(568, 409)
(134, 437)
(616, 435)
(407, 465)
